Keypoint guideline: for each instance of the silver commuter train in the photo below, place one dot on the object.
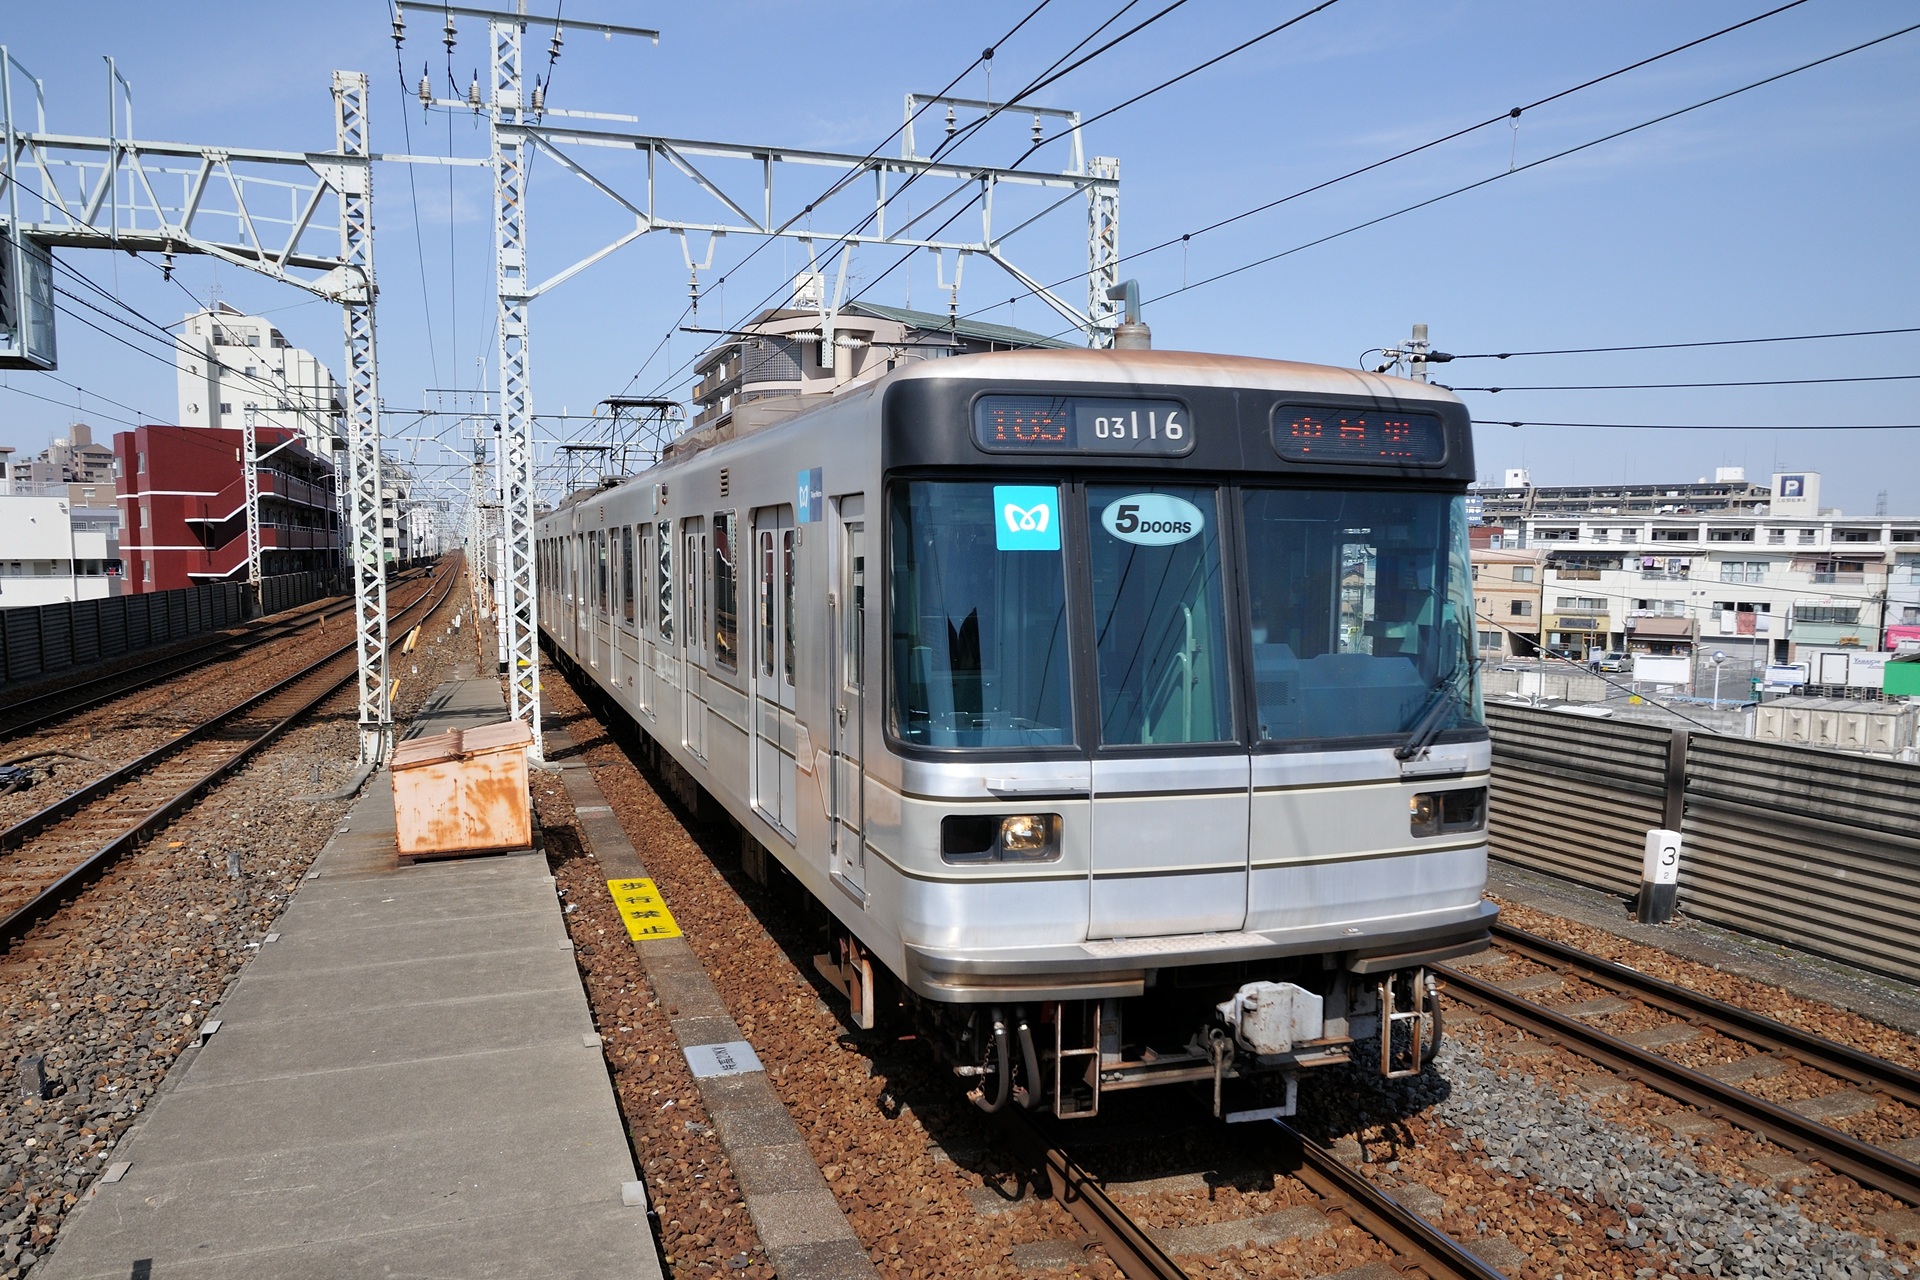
(1119, 706)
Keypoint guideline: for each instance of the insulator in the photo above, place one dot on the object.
(539, 96)
(949, 122)
(473, 92)
(553, 49)
(426, 88)
(399, 28)
(1037, 131)
(449, 37)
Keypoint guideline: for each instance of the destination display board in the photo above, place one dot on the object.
(1318, 433)
(1082, 424)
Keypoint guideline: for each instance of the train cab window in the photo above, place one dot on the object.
(726, 592)
(978, 616)
(663, 578)
(1361, 608)
(1158, 620)
(626, 572)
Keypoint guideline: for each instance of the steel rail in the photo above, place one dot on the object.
(1419, 1246)
(1868, 1165)
(68, 805)
(1080, 1194)
(1777, 1038)
(1417, 1241)
(128, 680)
(48, 899)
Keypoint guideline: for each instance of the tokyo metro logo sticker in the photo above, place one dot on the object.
(1026, 517)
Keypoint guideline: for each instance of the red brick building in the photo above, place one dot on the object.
(183, 503)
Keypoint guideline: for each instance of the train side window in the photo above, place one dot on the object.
(764, 602)
(626, 572)
(856, 640)
(693, 584)
(663, 578)
(642, 575)
(787, 573)
(726, 592)
(600, 580)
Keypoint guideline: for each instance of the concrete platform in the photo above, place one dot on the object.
(405, 1083)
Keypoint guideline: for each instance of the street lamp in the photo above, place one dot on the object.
(1719, 656)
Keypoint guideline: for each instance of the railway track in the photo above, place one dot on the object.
(1869, 1165)
(24, 715)
(53, 852)
(1419, 1248)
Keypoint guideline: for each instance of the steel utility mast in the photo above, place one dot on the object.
(520, 125)
(261, 210)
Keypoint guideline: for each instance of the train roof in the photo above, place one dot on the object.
(1172, 368)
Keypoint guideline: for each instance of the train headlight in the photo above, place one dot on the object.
(1027, 835)
(993, 837)
(1434, 813)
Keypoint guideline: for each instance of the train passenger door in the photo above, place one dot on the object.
(601, 619)
(775, 774)
(1172, 781)
(666, 658)
(643, 583)
(847, 655)
(587, 601)
(626, 618)
(693, 632)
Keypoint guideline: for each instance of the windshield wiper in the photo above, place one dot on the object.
(1433, 716)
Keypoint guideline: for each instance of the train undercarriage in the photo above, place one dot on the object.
(1243, 1032)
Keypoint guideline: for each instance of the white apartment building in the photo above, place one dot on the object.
(54, 550)
(419, 531)
(227, 360)
(1767, 587)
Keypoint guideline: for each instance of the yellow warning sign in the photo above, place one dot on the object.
(642, 907)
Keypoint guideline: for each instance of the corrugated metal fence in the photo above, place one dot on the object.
(1817, 849)
(49, 638)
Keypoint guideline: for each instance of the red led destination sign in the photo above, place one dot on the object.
(1082, 424)
(1318, 433)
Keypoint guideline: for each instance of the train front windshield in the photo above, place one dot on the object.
(1355, 608)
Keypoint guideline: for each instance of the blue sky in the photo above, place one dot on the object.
(1786, 210)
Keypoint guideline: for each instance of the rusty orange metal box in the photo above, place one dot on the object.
(463, 791)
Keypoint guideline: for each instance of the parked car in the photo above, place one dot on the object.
(1610, 660)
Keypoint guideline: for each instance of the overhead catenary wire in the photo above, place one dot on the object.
(413, 197)
(1512, 113)
(1691, 386)
(162, 335)
(1706, 426)
(156, 332)
(1165, 84)
(832, 189)
(1562, 154)
(34, 395)
(1682, 346)
(1052, 73)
